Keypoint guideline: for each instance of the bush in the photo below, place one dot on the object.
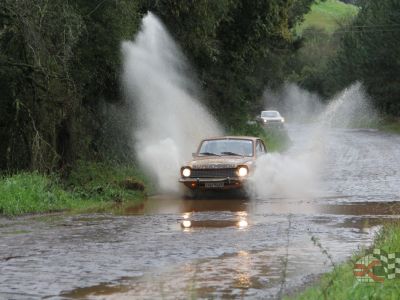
(107, 182)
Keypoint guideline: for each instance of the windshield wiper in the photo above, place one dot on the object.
(208, 153)
(231, 153)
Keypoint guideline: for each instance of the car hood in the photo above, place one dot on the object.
(208, 162)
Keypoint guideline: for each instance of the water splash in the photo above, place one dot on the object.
(297, 173)
(350, 108)
(295, 103)
(170, 119)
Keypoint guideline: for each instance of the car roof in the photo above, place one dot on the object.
(233, 137)
(269, 111)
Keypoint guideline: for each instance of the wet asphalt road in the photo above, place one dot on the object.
(236, 248)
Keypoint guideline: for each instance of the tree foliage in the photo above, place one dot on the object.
(58, 59)
(366, 50)
(37, 89)
(369, 52)
(60, 62)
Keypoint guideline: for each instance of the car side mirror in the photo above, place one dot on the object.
(194, 154)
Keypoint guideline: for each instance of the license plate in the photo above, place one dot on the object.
(214, 185)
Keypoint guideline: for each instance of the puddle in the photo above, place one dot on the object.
(232, 248)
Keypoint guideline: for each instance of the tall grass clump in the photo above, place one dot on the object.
(32, 193)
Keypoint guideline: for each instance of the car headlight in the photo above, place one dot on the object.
(283, 120)
(242, 171)
(186, 172)
(186, 224)
(265, 121)
(242, 224)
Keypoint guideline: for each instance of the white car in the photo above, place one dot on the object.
(271, 118)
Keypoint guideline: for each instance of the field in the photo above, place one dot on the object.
(327, 15)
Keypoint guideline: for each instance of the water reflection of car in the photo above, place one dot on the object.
(222, 163)
(238, 219)
(271, 118)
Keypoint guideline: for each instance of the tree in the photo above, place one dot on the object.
(59, 60)
(368, 52)
(36, 45)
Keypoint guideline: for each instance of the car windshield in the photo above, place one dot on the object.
(269, 114)
(227, 147)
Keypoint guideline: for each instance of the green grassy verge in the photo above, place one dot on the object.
(31, 193)
(89, 187)
(385, 124)
(342, 284)
(276, 140)
(327, 15)
(390, 125)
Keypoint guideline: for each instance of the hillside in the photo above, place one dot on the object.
(327, 15)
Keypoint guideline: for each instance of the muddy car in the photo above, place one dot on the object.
(222, 163)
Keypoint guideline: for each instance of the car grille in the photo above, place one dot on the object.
(213, 173)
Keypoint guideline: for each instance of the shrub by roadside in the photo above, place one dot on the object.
(107, 182)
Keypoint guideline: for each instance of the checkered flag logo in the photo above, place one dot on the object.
(390, 263)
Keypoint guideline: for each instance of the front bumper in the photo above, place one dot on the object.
(226, 183)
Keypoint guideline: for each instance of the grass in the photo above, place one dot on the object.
(105, 182)
(342, 284)
(390, 125)
(328, 15)
(89, 187)
(31, 193)
(385, 124)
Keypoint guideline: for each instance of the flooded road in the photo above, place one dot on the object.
(221, 247)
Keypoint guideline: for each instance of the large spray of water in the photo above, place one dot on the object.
(295, 103)
(297, 172)
(170, 119)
